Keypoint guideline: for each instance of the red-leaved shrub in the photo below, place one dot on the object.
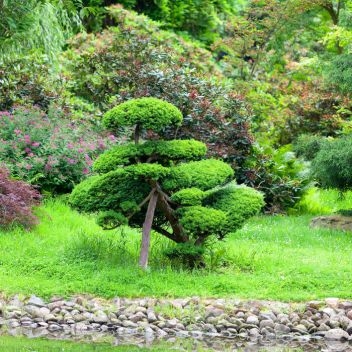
(16, 201)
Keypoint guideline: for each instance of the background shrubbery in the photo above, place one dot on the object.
(16, 201)
(49, 151)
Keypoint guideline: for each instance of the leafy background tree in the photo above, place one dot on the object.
(249, 79)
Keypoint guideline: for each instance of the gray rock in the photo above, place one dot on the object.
(79, 317)
(80, 326)
(36, 301)
(149, 331)
(49, 317)
(34, 311)
(129, 324)
(196, 334)
(171, 323)
(182, 333)
(55, 305)
(14, 323)
(139, 316)
(329, 311)
(267, 316)
(346, 305)
(266, 323)
(344, 322)
(332, 302)
(253, 320)
(54, 327)
(336, 334)
(254, 332)
(323, 327)
(281, 328)
(100, 317)
(333, 323)
(213, 312)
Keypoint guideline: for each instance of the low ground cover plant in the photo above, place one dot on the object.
(164, 185)
(51, 152)
(16, 201)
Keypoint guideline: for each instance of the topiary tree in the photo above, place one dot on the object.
(163, 185)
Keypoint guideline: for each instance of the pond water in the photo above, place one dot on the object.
(40, 340)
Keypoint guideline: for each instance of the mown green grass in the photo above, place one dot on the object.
(318, 201)
(272, 257)
(20, 344)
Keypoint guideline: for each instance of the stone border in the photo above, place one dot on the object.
(191, 317)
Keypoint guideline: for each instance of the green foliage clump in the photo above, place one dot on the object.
(150, 113)
(176, 149)
(111, 219)
(199, 221)
(239, 202)
(162, 151)
(333, 164)
(340, 72)
(117, 156)
(201, 19)
(109, 191)
(147, 171)
(202, 174)
(189, 196)
(187, 253)
(307, 146)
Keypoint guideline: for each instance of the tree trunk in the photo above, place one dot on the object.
(137, 132)
(147, 226)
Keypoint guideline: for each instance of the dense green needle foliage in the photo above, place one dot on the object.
(151, 113)
(333, 164)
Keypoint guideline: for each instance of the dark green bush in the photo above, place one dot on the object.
(332, 165)
(307, 146)
(111, 219)
(186, 254)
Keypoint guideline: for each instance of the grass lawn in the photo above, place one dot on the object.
(19, 344)
(272, 257)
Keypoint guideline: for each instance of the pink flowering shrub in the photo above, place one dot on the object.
(47, 151)
(16, 201)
